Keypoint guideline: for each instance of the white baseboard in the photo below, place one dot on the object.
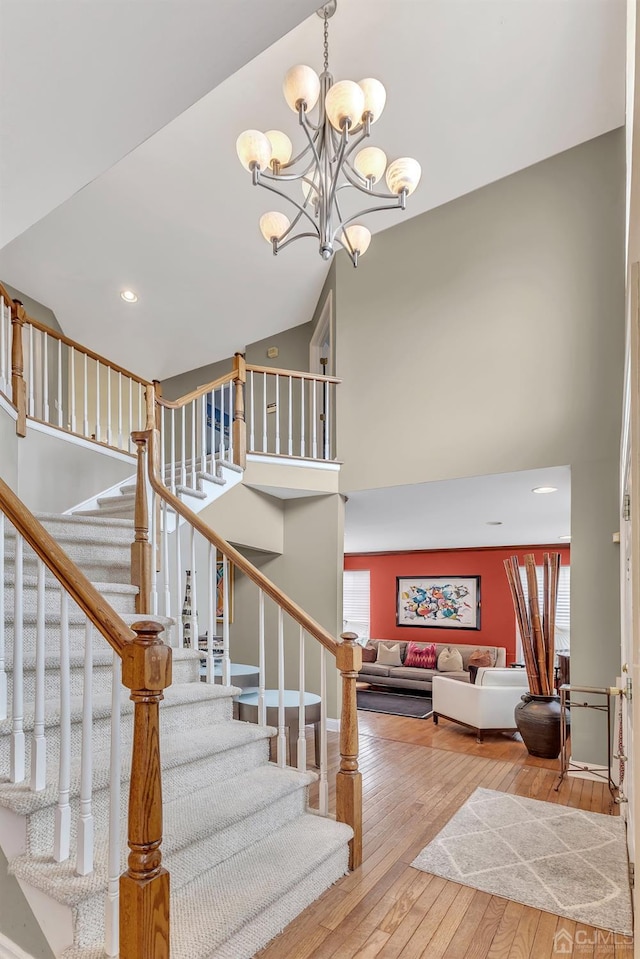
(9, 950)
(584, 772)
(333, 725)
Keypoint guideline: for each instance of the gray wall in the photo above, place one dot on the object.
(36, 310)
(293, 347)
(487, 336)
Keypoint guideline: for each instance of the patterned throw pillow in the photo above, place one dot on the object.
(389, 655)
(481, 657)
(450, 661)
(421, 655)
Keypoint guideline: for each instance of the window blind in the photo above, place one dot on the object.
(356, 588)
(563, 607)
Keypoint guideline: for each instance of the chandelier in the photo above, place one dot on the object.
(328, 164)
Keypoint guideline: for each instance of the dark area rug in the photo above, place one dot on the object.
(394, 704)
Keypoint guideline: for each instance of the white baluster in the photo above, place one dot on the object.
(84, 861)
(131, 443)
(282, 731)
(119, 410)
(109, 437)
(264, 412)
(38, 741)
(72, 371)
(173, 455)
(314, 422)
(166, 575)
(277, 411)
(226, 659)
(85, 398)
(154, 553)
(203, 433)
(194, 589)
(302, 431)
(211, 598)
(223, 444)
(112, 913)
(262, 707)
(60, 418)
(302, 740)
(231, 408)
(290, 446)
(212, 431)
(3, 348)
(327, 422)
(179, 595)
(98, 434)
(163, 447)
(17, 772)
(62, 829)
(32, 402)
(324, 782)
(45, 377)
(183, 450)
(252, 414)
(194, 454)
(3, 672)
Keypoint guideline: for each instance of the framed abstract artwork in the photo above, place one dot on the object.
(448, 602)
(220, 565)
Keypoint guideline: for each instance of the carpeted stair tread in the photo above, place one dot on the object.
(233, 909)
(176, 750)
(30, 581)
(177, 695)
(193, 827)
(76, 519)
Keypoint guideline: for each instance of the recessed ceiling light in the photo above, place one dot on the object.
(129, 296)
(545, 489)
(494, 522)
(565, 537)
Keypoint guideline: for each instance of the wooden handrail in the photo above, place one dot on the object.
(72, 343)
(195, 394)
(294, 374)
(103, 617)
(151, 437)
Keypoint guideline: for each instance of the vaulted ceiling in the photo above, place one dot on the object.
(477, 89)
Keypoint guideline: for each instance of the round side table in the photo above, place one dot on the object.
(248, 711)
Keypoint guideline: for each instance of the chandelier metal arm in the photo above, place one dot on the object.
(379, 196)
(280, 246)
(356, 216)
(303, 211)
(339, 161)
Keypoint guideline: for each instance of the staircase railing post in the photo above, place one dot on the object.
(349, 778)
(141, 548)
(18, 385)
(144, 887)
(239, 423)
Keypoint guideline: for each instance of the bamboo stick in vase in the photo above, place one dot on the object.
(555, 561)
(546, 587)
(536, 624)
(519, 605)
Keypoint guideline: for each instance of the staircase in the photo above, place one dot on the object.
(244, 852)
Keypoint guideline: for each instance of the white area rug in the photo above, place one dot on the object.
(555, 858)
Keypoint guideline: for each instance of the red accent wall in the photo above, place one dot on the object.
(497, 619)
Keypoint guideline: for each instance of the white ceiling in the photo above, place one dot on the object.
(85, 81)
(477, 89)
(453, 514)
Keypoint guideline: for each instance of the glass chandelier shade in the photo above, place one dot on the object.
(328, 168)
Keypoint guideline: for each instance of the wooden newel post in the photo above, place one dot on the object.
(144, 887)
(141, 549)
(349, 778)
(18, 385)
(239, 424)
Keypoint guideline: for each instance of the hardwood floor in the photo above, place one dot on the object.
(415, 776)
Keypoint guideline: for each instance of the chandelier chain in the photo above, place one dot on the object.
(326, 40)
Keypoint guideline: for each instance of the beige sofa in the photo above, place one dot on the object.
(412, 677)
